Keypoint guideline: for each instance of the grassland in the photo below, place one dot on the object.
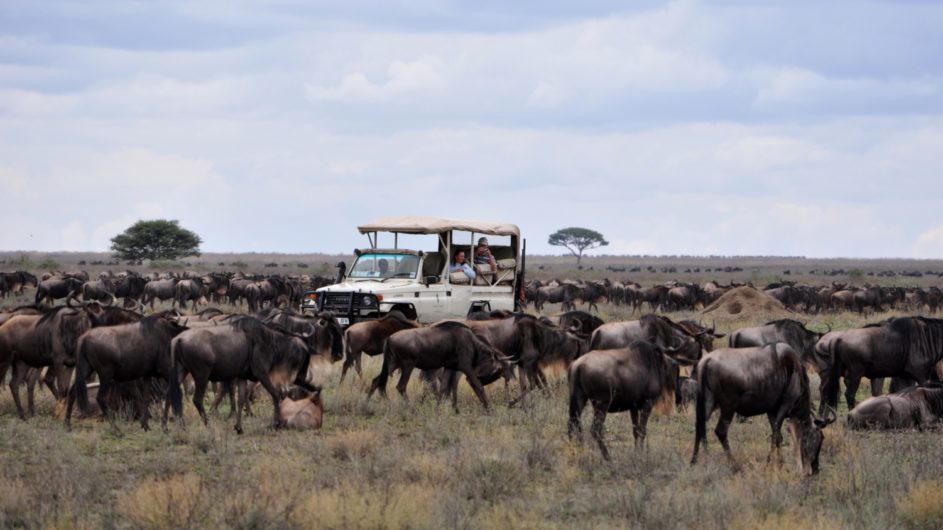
(396, 464)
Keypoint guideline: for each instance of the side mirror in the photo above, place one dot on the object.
(431, 280)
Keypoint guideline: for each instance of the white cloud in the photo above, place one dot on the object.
(403, 80)
(929, 244)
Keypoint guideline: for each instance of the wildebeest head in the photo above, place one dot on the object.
(810, 437)
(327, 338)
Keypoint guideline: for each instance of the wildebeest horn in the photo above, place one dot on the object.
(68, 300)
(829, 327)
(322, 322)
(575, 326)
(112, 302)
(830, 416)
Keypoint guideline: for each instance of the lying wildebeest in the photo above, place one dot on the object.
(633, 379)
(451, 345)
(369, 337)
(121, 354)
(768, 380)
(306, 412)
(246, 348)
(914, 407)
(906, 347)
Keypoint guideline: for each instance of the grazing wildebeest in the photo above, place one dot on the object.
(906, 347)
(530, 343)
(369, 337)
(913, 407)
(15, 282)
(658, 330)
(248, 349)
(632, 379)
(159, 290)
(767, 380)
(791, 332)
(121, 354)
(55, 288)
(451, 345)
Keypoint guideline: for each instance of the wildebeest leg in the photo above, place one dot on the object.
(640, 424)
(405, 372)
(219, 390)
(199, 391)
(577, 403)
(31, 378)
(19, 372)
(776, 438)
(723, 424)
(105, 382)
(477, 387)
(143, 401)
(276, 398)
(877, 386)
(599, 418)
(243, 401)
(852, 381)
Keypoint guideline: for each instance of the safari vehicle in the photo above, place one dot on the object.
(416, 283)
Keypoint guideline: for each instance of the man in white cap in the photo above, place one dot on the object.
(483, 255)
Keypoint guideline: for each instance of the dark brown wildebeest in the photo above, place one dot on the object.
(656, 296)
(131, 288)
(768, 380)
(905, 348)
(159, 290)
(580, 323)
(791, 332)
(658, 330)
(564, 294)
(369, 337)
(121, 354)
(189, 290)
(55, 288)
(101, 290)
(451, 345)
(248, 349)
(632, 379)
(58, 331)
(15, 282)
(914, 407)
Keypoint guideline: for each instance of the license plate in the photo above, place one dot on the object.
(343, 321)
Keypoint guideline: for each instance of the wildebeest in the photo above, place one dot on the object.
(906, 347)
(101, 290)
(55, 288)
(913, 407)
(767, 380)
(369, 337)
(564, 294)
(59, 330)
(303, 413)
(792, 332)
(658, 330)
(190, 289)
(246, 348)
(131, 288)
(15, 282)
(578, 322)
(630, 379)
(159, 290)
(451, 345)
(120, 354)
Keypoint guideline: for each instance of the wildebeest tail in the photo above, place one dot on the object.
(174, 394)
(81, 369)
(732, 339)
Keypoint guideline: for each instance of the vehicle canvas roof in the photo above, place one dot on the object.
(438, 225)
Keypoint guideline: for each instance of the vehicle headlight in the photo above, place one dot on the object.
(367, 301)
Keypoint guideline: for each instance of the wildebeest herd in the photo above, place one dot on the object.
(632, 366)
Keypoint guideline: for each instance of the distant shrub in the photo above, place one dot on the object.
(239, 265)
(162, 264)
(855, 274)
(49, 264)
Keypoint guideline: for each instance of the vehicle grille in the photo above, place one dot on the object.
(336, 301)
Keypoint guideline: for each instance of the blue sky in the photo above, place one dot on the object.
(686, 127)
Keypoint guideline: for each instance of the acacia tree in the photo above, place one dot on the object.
(576, 240)
(157, 239)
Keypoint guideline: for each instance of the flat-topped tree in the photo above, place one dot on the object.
(159, 239)
(577, 240)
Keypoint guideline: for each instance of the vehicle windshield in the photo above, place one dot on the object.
(373, 265)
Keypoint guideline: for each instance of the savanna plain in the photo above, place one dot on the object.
(417, 464)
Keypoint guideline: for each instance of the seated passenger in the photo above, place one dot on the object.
(384, 267)
(483, 255)
(458, 264)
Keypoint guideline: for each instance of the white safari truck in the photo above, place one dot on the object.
(417, 282)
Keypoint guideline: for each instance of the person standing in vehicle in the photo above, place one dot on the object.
(483, 255)
(458, 264)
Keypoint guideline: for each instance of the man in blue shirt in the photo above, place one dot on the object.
(458, 264)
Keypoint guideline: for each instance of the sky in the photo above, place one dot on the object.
(798, 128)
